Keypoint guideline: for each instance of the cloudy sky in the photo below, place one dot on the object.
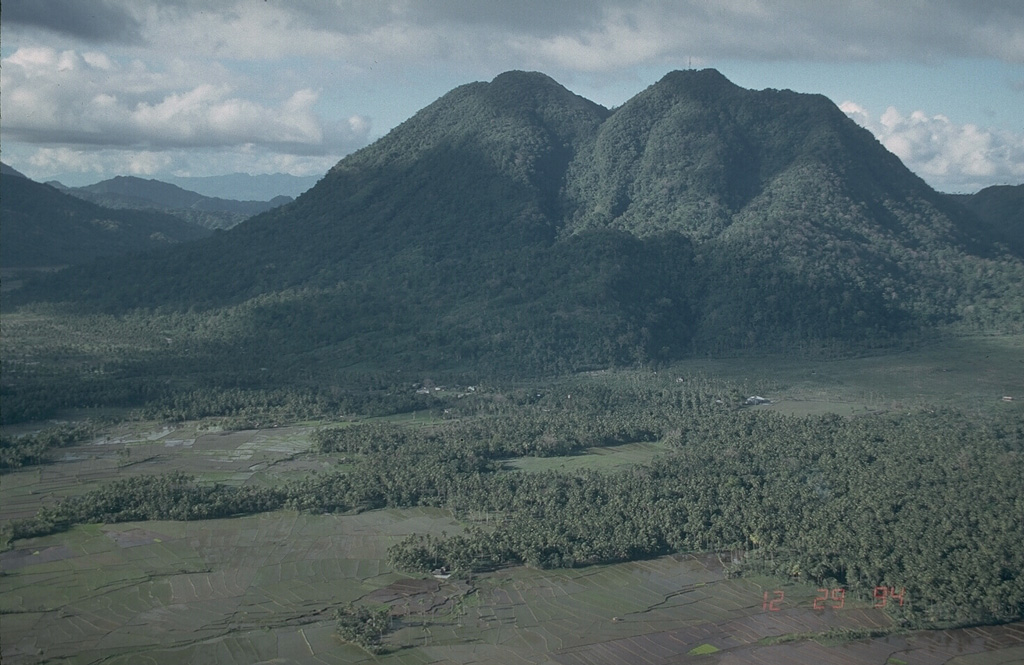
(96, 88)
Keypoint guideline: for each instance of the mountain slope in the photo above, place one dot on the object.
(44, 227)
(473, 171)
(6, 170)
(514, 224)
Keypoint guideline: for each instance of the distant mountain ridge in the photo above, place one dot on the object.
(515, 224)
(1001, 210)
(244, 186)
(43, 227)
(138, 193)
(231, 186)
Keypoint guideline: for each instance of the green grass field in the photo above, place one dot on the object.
(973, 373)
(608, 458)
(142, 448)
(260, 588)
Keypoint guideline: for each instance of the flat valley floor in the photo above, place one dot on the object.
(263, 588)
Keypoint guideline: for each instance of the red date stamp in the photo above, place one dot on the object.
(775, 604)
(884, 594)
(835, 598)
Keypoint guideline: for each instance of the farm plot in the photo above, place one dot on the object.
(215, 591)
(237, 458)
(965, 372)
(264, 587)
(665, 610)
(990, 645)
(671, 610)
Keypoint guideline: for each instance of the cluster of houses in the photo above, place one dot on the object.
(429, 388)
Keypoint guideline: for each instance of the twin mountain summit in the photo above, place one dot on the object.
(516, 226)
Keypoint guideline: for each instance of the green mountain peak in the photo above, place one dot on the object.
(514, 223)
(697, 79)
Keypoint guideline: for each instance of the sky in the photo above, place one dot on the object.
(91, 89)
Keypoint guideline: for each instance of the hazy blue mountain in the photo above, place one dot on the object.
(45, 227)
(246, 187)
(515, 224)
(192, 207)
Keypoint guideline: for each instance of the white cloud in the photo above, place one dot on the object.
(92, 165)
(98, 60)
(256, 77)
(949, 156)
(209, 115)
(64, 97)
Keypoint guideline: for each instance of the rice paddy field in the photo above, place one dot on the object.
(973, 373)
(263, 588)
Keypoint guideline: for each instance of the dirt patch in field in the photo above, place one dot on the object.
(29, 557)
(418, 597)
(134, 537)
(987, 644)
(404, 589)
(223, 441)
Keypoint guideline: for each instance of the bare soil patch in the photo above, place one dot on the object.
(16, 559)
(133, 537)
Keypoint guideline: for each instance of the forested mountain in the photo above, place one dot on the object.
(515, 225)
(45, 227)
(1001, 211)
(146, 194)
